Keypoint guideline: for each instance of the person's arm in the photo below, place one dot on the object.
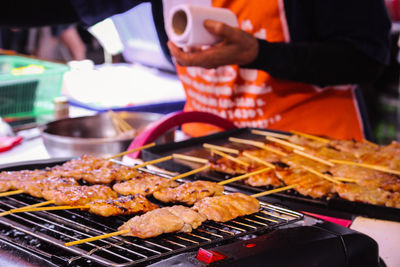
(332, 42)
(316, 63)
(344, 48)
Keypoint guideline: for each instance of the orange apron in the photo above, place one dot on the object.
(252, 98)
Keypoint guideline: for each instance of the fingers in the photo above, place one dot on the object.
(221, 29)
(239, 48)
(209, 58)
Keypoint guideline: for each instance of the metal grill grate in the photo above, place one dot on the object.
(45, 232)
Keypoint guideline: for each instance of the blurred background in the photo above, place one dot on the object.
(136, 56)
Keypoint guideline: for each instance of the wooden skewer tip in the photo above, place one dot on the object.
(9, 193)
(221, 148)
(276, 190)
(131, 151)
(77, 242)
(190, 158)
(190, 172)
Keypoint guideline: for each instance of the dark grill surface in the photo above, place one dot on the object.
(45, 232)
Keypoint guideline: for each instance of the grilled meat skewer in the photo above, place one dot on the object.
(79, 195)
(145, 185)
(125, 205)
(227, 207)
(163, 220)
(375, 196)
(95, 170)
(189, 192)
(36, 187)
(182, 219)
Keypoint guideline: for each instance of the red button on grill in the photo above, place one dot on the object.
(250, 245)
(209, 256)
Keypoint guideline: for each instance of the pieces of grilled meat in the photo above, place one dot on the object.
(227, 207)
(163, 220)
(145, 185)
(125, 205)
(95, 170)
(79, 195)
(189, 193)
(375, 196)
(308, 184)
(36, 187)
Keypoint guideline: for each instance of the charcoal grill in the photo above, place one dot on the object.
(37, 238)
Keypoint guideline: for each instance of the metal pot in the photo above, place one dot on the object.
(95, 135)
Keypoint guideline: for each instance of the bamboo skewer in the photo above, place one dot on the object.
(221, 148)
(343, 179)
(246, 142)
(131, 151)
(263, 162)
(284, 143)
(119, 123)
(324, 176)
(77, 242)
(365, 165)
(237, 178)
(222, 154)
(258, 144)
(52, 208)
(312, 137)
(152, 162)
(9, 193)
(205, 167)
(266, 133)
(115, 123)
(27, 207)
(274, 150)
(309, 156)
(190, 158)
(272, 191)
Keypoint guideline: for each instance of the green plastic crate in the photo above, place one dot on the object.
(29, 95)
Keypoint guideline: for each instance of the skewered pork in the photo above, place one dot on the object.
(145, 185)
(354, 147)
(189, 192)
(305, 142)
(264, 179)
(393, 149)
(6, 181)
(230, 167)
(126, 205)
(36, 187)
(332, 153)
(375, 196)
(227, 207)
(163, 220)
(297, 161)
(308, 184)
(79, 195)
(382, 158)
(5, 185)
(95, 170)
(367, 177)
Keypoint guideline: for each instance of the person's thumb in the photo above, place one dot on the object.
(219, 28)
